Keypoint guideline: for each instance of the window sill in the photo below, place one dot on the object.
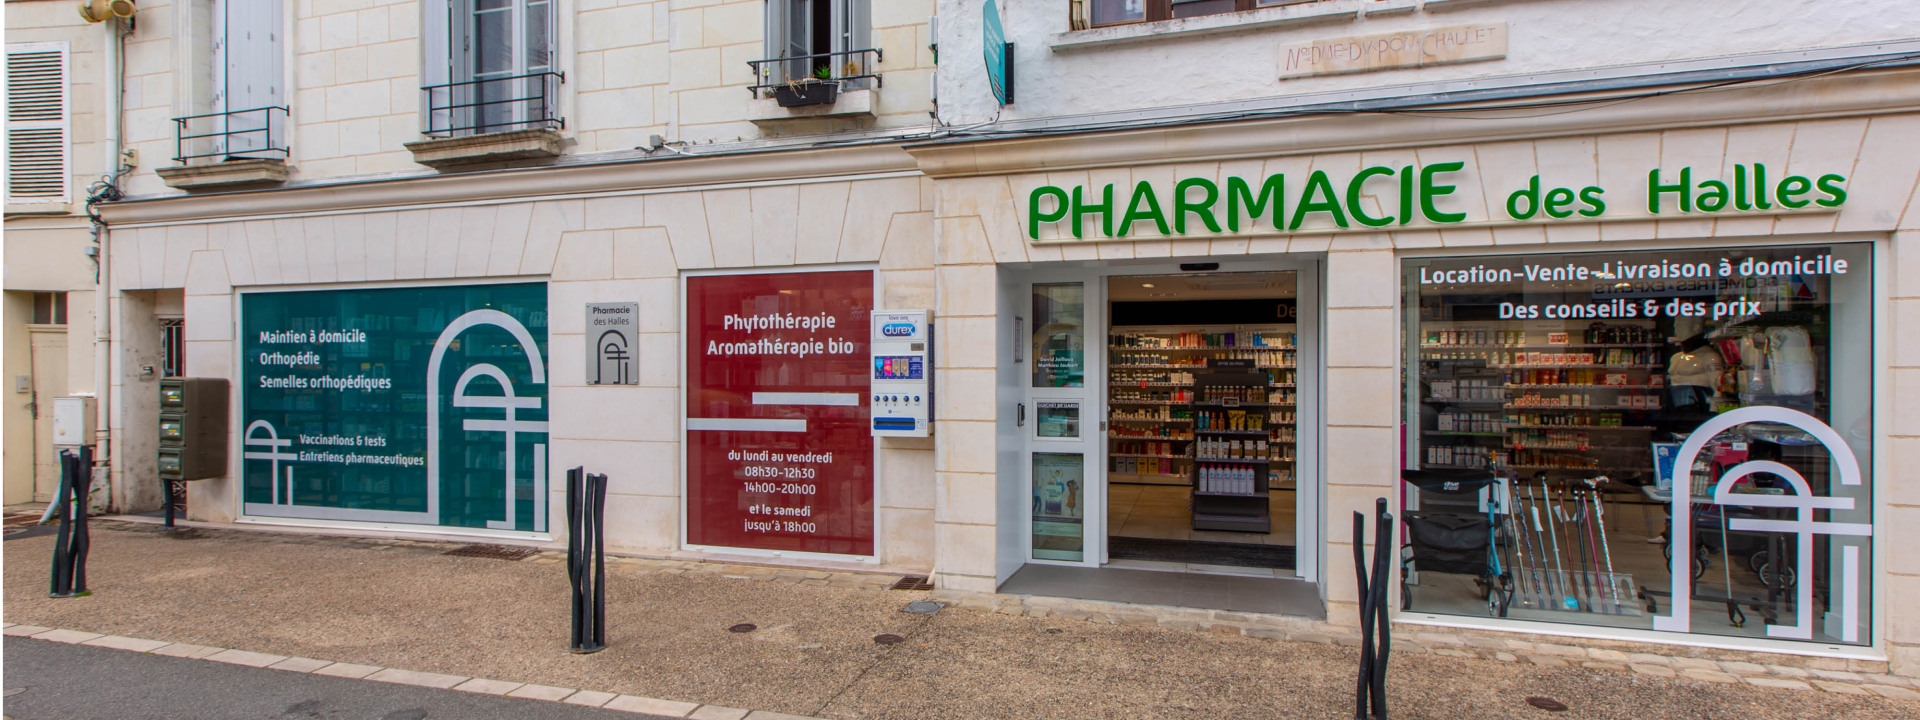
(443, 153)
(1333, 11)
(42, 208)
(229, 175)
(855, 104)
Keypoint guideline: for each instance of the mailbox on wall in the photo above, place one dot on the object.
(193, 428)
(902, 390)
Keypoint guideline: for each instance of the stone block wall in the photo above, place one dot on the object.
(634, 68)
(603, 249)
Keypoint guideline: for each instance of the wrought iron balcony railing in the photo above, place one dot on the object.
(256, 133)
(491, 105)
(851, 68)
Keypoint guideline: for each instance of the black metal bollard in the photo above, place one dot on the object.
(69, 578)
(1376, 630)
(587, 558)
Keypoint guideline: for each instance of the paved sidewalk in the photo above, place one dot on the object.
(403, 604)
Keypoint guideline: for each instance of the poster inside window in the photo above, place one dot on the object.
(779, 451)
(1578, 426)
(419, 405)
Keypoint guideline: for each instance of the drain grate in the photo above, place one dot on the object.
(922, 607)
(913, 582)
(1547, 704)
(494, 552)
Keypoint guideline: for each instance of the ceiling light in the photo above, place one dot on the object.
(1146, 285)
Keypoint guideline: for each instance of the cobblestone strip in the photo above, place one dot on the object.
(1841, 676)
(572, 696)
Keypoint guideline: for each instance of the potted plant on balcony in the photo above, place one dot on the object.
(821, 89)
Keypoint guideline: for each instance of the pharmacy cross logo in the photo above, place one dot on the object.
(1803, 526)
(507, 402)
(273, 453)
(613, 355)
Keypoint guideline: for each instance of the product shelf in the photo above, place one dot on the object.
(1134, 455)
(1151, 420)
(1582, 427)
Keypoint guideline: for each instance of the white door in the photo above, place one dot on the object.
(49, 347)
(1061, 421)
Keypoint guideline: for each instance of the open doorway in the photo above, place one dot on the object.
(1202, 398)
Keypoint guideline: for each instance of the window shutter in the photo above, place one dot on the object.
(253, 58)
(38, 148)
(437, 53)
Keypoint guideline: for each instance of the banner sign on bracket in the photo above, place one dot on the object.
(423, 405)
(779, 455)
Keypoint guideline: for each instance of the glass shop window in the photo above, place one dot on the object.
(1557, 404)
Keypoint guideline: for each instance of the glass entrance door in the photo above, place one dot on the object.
(1060, 422)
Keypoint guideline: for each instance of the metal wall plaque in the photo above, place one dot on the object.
(612, 329)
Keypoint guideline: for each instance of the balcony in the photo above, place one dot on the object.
(491, 120)
(825, 85)
(229, 150)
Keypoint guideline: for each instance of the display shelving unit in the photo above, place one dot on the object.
(1151, 392)
(1497, 395)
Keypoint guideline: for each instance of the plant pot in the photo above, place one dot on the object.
(811, 92)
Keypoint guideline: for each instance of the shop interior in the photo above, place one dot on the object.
(1201, 398)
(1578, 421)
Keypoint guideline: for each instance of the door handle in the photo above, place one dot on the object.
(1019, 414)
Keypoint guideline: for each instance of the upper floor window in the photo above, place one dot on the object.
(38, 124)
(491, 67)
(1118, 12)
(248, 103)
(818, 39)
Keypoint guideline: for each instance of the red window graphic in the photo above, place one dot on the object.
(779, 456)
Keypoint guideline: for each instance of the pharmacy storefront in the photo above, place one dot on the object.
(1631, 386)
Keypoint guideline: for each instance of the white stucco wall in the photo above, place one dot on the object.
(1544, 35)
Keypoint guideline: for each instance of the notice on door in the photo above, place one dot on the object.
(779, 456)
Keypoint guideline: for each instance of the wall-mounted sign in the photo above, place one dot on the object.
(423, 405)
(779, 454)
(998, 52)
(1410, 49)
(1384, 197)
(612, 329)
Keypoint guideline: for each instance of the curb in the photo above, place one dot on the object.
(528, 691)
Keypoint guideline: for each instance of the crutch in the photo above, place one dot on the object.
(1593, 549)
(1567, 600)
(1600, 509)
(1524, 579)
(1576, 528)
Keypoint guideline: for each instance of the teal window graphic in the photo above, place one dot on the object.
(423, 405)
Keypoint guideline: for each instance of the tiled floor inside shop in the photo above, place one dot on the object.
(1162, 511)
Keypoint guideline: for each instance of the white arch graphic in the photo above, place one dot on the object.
(1681, 536)
(507, 402)
(273, 454)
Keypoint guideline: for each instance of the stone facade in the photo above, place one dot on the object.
(942, 221)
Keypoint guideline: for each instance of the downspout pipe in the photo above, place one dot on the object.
(106, 460)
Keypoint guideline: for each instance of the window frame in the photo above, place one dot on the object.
(1162, 10)
(851, 29)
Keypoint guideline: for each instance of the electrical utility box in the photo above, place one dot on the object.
(72, 421)
(902, 346)
(193, 428)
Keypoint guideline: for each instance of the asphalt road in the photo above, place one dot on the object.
(50, 681)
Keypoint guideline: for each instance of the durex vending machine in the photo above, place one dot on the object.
(902, 373)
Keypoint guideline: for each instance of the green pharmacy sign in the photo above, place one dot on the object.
(998, 52)
(420, 405)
